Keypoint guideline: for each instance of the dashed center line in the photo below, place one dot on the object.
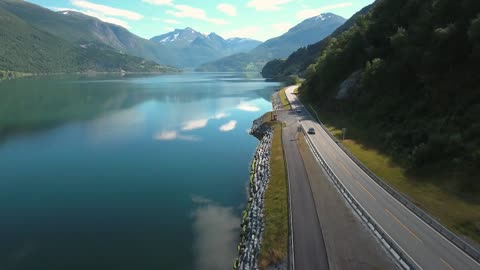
(346, 170)
(401, 224)
(366, 190)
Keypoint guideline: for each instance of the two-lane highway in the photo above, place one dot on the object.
(308, 247)
(426, 247)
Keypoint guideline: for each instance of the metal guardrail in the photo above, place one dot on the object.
(453, 238)
(398, 253)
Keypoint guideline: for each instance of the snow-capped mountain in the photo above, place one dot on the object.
(307, 32)
(178, 37)
(194, 48)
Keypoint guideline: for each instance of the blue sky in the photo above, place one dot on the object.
(257, 19)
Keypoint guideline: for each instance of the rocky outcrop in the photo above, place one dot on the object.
(349, 85)
(259, 129)
(276, 102)
(252, 220)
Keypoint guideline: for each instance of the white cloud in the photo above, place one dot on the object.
(96, 15)
(228, 126)
(195, 124)
(267, 5)
(106, 10)
(248, 107)
(171, 21)
(249, 31)
(159, 2)
(282, 27)
(227, 9)
(107, 19)
(64, 9)
(184, 11)
(308, 13)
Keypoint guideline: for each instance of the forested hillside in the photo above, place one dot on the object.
(82, 30)
(27, 49)
(298, 61)
(413, 84)
(307, 32)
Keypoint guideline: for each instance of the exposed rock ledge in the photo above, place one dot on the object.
(252, 220)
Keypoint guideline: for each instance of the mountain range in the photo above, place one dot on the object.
(39, 40)
(193, 48)
(307, 32)
(88, 36)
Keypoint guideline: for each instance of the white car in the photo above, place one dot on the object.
(299, 110)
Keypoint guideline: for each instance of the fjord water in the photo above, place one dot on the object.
(113, 172)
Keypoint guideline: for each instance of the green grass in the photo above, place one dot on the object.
(284, 100)
(436, 194)
(275, 237)
(297, 89)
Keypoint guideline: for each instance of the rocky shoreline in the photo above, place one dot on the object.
(252, 219)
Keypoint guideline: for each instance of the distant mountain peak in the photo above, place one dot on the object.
(324, 17)
(195, 48)
(178, 37)
(307, 32)
(321, 17)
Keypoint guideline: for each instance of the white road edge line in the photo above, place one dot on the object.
(395, 199)
(311, 145)
(290, 206)
(381, 188)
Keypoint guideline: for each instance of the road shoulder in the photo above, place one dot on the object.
(349, 244)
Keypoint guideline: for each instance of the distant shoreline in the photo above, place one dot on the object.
(12, 75)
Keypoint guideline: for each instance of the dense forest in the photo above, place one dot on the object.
(414, 84)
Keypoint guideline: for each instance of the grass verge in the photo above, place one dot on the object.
(436, 194)
(275, 237)
(284, 100)
(296, 91)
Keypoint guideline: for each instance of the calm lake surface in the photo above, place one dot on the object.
(113, 172)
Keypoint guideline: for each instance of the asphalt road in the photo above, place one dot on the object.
(427, 248)
(308, 243)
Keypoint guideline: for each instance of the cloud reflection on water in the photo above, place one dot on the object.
(201, 123)
(216, 231)
(248, 107)
(229, 126)
(170, 135)
(220, 115)
(195, 124)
